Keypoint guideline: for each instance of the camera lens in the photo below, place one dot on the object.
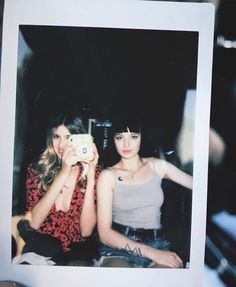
(84, 150)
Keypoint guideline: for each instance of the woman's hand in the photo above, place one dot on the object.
(69, 159)
(88, 217)
(90, 166)
(166, 258)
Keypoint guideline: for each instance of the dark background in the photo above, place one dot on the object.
(106, 74)
(221, 189)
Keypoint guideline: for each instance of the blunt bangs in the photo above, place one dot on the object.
(126, 126)
(127, 129)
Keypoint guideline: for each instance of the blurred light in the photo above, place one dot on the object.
(228, 44)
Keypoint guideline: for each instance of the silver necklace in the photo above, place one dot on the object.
(131, 172)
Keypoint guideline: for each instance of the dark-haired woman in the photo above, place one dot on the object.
(61, 198)
(129, 206)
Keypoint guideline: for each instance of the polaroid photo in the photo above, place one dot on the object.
(108, 61)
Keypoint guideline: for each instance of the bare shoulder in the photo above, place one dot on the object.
(158, 165)
(154, 162)
(107, 176)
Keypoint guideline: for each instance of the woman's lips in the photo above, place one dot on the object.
(126, 151)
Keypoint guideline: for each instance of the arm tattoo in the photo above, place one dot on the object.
(136, 251)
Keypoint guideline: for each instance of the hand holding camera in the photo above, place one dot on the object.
(83, 145)
(86, 152)
(69, 159)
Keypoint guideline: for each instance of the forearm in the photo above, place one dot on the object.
(175, 174)
(43, 207)
(164, 258)
(185, 180)
(115, 239)
(188, 181)
(88, 216)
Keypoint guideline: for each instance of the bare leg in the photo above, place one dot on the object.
(115, 262)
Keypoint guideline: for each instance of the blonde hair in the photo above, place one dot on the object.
(49, 164)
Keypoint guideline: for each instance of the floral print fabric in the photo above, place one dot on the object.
(59, 224)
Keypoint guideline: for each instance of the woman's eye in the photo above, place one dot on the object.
(55, 136)
(135, 136)
(118, 137)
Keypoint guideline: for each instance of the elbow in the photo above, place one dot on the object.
(103, 236)
(34, 222)
(87, 227)
(86, 232)
(34, 225)
(102, 239)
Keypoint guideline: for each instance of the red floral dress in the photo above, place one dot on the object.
(63, 225)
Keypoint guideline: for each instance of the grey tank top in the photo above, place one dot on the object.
(138, 205)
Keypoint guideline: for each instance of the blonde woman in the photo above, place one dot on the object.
(61, 197)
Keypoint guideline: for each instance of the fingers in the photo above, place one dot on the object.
(71, 160)
(68, 150)
(96, 155)
(69, 156)
(169, 259)
(85, 167)
(180, 262)
(94, 161)
(95, 148)
(175, 260)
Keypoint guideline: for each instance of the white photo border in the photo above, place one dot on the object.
(176, 16)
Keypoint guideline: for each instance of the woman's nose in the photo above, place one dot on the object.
(61, 143)
(126, 142)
